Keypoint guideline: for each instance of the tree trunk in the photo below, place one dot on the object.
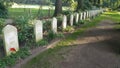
(58, 7)
(80, 5)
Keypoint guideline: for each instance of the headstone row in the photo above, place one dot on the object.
(11, 35)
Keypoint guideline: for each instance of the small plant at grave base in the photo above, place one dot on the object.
(25, 30)
(46, 25)
(81, 22)
(51, 35)
(60, 35)
(11, 60)
(69, 29)
(24, 52)
(42, 42)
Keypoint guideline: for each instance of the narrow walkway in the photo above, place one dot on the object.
(98, 48)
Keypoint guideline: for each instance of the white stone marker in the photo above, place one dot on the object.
(10, 39)
(54, 25)
(87, 14)
(64, 23)
(81, 16)
(84, 15)
(77, 18)
(38, 29)
(71, 19)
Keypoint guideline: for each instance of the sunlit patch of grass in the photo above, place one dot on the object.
(15, 12)
(114, 16)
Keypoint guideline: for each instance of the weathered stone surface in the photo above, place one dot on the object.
(64, 23)
(10, 39)
(54, 25)
(38, 29)
(71, 19)
(77, 18)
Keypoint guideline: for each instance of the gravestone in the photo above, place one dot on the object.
(38, 30)
(64, 23)
(54, 25)
(10, 39)
(71, 19)
(77, 18)
(84, 15)
(87, 14)
(81, 16)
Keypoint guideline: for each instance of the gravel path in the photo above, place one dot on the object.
(97, 48)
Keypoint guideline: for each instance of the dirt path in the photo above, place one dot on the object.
(98, 48)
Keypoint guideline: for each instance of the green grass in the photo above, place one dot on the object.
(15, 12)
(49, 58)
(114, 16)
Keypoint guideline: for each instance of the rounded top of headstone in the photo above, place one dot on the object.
(38, 22)
(9, 28)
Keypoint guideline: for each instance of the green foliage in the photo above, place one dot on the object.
(82, 22)
(60, 35)
(2, 24)
(46, 25)
(11, 60)
(51, 35)
(3, 10)
(25, 30)
(69, 29)
(74, 5)
(42, 42)
(87, 5)
(67, 12)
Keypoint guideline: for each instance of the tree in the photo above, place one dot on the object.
(3, 8)
(80, 5)
(58, 7)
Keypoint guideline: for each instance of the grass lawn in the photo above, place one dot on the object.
(15, 12)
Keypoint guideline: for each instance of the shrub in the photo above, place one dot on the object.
(25, 30)
(69, 29)
(51, 35)
(3, 10)
(11, 60)
(42, 42)
(46, 25)
(2, 24)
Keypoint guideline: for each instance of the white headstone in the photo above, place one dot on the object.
(87, 14)
(54, 25)
(10, 39)
(84, 15)
(81, 16)
(71, 19)
(38, 29)
(77, 18)
(64, 23)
